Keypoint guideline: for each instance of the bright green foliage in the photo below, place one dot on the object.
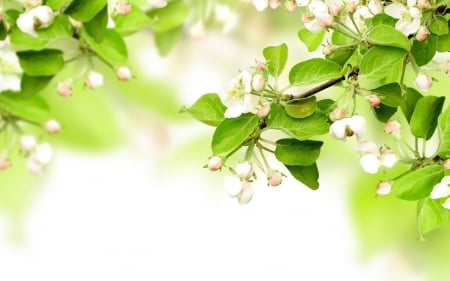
(444, 127)
(208, 109)
(133, 22)
(96, 27)
(386, 35)
(33, 108)
(276, 57)
(310, 39)
(85, 10)
(390, 94)
(410, 101)
(430, 215)
(341, 55)
(295, 152)
(314, 71)
(113, 48)
(308, 175)
(41, 63)
(438, 25)
(169, 17)
(301, 108)
(424, 51)
(425, 116)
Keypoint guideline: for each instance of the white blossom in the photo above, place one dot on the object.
(215, 163)
(408, 17)
(383, 188)
(423, 82)
(371, 159)
(246, 194)
(41, 16)
(94, 80)
(239, 99)
(348, 126)
(27, 143)
(260, 5)
(441, 189)
(244, 170)
(233, 185)
(10, 71)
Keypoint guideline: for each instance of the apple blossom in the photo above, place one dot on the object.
(447, 164)
(260, 66)
(383, 188)
(123, 8)
(260, 5)
(336, 114)
(238, 99)
(441, 189)
(39, 17)
(375, 7)
(446, 204)
(392, 127)
(408, 17)
(94, 80)
(215, 163)
(10, 71)
(31, 3)
(263, 111)
(388, 158)
(43, 154)
(63, 89)
(258, 82)
(275, 178)
(328, 49)
(349, 126)
(422, 33)
(422, 4)
(52, 126)
(290, 5)
(27, 143)
(246, 194)
(4, 163)
(123, 73)
(371, 159)
(233, 185)
(351, 6)
(374, 100)
(423, 82)
(244, 170)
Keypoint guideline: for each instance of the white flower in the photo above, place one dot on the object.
(371, 159)
(260, 5)
(43, 154)
(27, 143)
(375, 7)
(10, 71)
(348, 126)
(441, 189)
(244, 170)
(239, 100)
(423, 82)
(4, 44)
(258, 82)
(157, 3)
(94, 80)
(408, 17)
(322, 17)
(370, 163)
(246, 194)
(233, 185)
(41, 16)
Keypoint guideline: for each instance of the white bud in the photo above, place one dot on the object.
(388, 158)
(441, 189)
(392, 127)
(258, 82)
(94, 80)
(233, 185)
(422, 4)
(4, 163)
(63, 89)
(260, 5)
(274, 3)
(325, 19)
(357, 124)
(52, 126)
(422, 33)
(328, 49)
(246, 194)
(263, 111)
(244, 170)
(123, 73)
(423, 82)
(336, 114)
(27, 143)
(215, 163)
(375, 6)
(374, 100)
(43, 154)
(383, 188)
(338, 129)
(41, 16)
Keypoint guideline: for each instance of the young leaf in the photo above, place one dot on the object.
(208, 109)
(424, 51)
(232, 133)
(438, 25)
(314, 71)
(425, 116)
(383, 19)
(386, 35)
(85, 10)
(341, 55)
(132, 22)
(301, 108)
(113, 48)
(56, 4)
(430, 215)
(32, 85)
(166, 40)
(96, 26)
(295, 152)
(276, 57)
(390, 94)
(46, 62)
(444, 127)
(3, 30)
(169, 17)
(302, 129)
(419, 183)
(310, 39)
(384, 112)
(338, 38)
(409, 104)
(308, 175)
(34, 108)
(443, 43)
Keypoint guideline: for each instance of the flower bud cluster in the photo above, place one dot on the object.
(38, 156)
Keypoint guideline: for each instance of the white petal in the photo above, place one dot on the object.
(260, 5)
(440, 190)
(370, 163)
(337, 129)
(446, 204)
(249, 103)
(388, 158)
(157, 3)
(358, 125)
(246, 194)
(235, 109)
(43, 154)
(11, 82)
(396, 10)
(233, 185)
(313, 26)
(367, 147)
(446, 180)
(25, 23)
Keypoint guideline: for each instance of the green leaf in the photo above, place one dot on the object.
(383, 19)
(276, 58)
(3, 30)
(430, 215)
(46, 62)
(326, 105)
(32, 85)
(341, 55)
(390, 94)
(338, 38)
(444, 127)
(113, 48)
(233, 132)
(57, 4)
(384, 112)
(96, 27)
(418, 184)
(166, 41)
(438, 25)
(310, 39)
(410, 101)
(301, 108)
(377, 65)
(169, 17)
(85, 10)
(386, 35)
(425, 116)
(424, 51)
(443, 43)
(308, 175)
(208, 109)
(313, 71)
(34, 108)
(296, 152)
(304, 128)
(135, 21)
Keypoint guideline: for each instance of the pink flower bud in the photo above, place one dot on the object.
(375, 6)
(64, 89)
(374, 100)
(274, 3)
(27, 143)
(423, 82)
(263, 111)
(422, 4)
(260, 66)
(244, 170)
(447, 164)
(215, 163)
(383, 188)
(94, 80)
(351, 6)
(123, 8)
(33, 3)
(335, 9)
(337, 114)
(275, 178)
(124, 73)
(422, 33)
(306, 18)
(290, 5)
(325, 19)
(52, 126)
(258, 82)
(4, 163)
(392, 127)
(75, 23)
